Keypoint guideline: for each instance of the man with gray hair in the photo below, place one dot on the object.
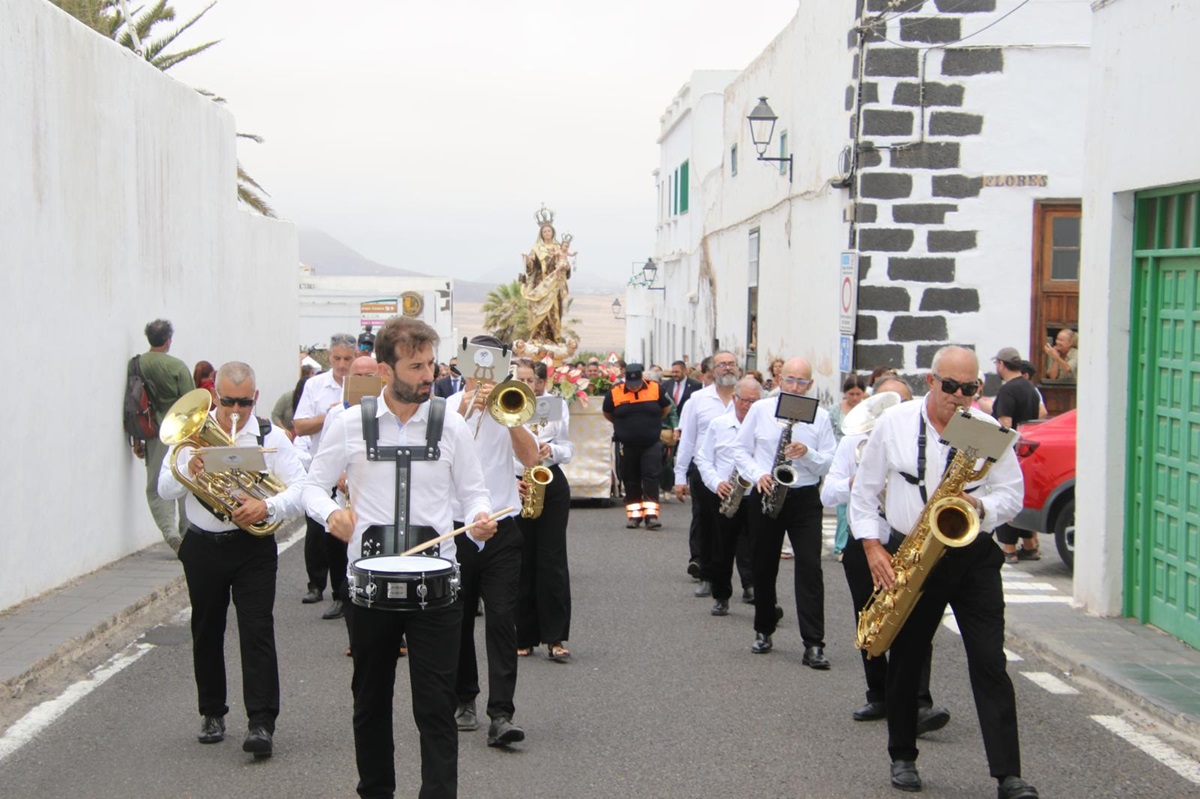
(221, 559)
(324, 556)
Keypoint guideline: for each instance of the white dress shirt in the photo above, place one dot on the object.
(557, 435)
(432, 484)
(320, 392)
(702, 407)
(715, 456)
(282, 463)
(892, 449)
(758, 441)
(494, 448)
(836, 488)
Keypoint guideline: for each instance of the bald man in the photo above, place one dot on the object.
(810, 454)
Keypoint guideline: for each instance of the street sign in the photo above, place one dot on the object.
(846, 353)
(848, 294)
(376, 312)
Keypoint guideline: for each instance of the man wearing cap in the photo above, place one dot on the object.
(636, 409)
(1017, 402)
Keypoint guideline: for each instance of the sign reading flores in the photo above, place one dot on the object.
(1015, 181)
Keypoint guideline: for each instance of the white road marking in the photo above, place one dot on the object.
(1048, 682)
(284, 546)
(1035, 599)
(32, 723)
(951, 623)
(1009, 574)
(1183, 766)
(1012, 657)
(1031, 587)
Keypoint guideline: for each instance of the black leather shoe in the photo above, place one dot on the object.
(814, 658)
(1015, 788)
(694, 569)
(762, 644)
(334, 611)
(312, 597)
(703, 589)
(778, 614)
(652, 523)
(212, 730)
(632, 523)
(503, 732)
(870, 712)
(258, 742)
(748, 596)
(905, 776)
(465, 718)
(932, 718)
(720, 607)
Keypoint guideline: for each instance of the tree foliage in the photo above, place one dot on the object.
(505, 314)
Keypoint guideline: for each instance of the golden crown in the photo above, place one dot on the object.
(544, 216)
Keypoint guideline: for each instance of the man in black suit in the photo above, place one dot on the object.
(680, 387)
(449, 385)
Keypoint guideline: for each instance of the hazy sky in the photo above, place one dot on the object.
(426, 134)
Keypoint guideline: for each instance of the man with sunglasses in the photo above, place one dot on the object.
(810, 454)
(714, 461)
(220, 559)
(705, 405)
(906, 458)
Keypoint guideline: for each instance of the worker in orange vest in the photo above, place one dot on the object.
(636, 409)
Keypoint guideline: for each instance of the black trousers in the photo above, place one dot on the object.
(731, 544)
(492, 573)
(640, 470)
(244, 567)
(433, 637)
(968, 579)
(862, 585)
(544, 592)
(316, 558)
(702, 531)
(801, 520)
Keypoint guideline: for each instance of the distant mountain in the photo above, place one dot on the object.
(328, 256)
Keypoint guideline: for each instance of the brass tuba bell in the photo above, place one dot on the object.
(188, 424)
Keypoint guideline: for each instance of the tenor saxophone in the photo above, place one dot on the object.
(731, 503)
(538, 477)
(782, 473)
(946, 521)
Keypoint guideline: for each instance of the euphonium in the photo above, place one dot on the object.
(782, 473)
(731, 503)
(188, 424)
(947, 520)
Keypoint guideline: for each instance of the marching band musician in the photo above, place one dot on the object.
(494, 572)
(544, 596)
(715, 461)
(405, 350)
(809, 453)
(904, 456)
(836, 491)
(221, 560)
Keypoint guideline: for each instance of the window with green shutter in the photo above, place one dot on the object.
(683, 187)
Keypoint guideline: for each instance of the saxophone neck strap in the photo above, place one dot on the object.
(919, 479)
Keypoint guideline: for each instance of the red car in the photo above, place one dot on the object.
(1046, 452)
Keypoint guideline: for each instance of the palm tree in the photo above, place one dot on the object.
(105, 17)
(505, 314)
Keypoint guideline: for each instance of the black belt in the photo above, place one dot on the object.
(220, 537)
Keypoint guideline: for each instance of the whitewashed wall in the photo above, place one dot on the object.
(1137, 125)
(117, 206)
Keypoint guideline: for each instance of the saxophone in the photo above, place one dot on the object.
(782, 473)
(947, 520)
(537, 477)
(731, 503)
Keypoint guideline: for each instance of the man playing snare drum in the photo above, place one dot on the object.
(405, 350)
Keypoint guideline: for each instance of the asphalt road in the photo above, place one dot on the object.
(660, 700)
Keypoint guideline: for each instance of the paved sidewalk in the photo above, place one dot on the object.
(1154, 671)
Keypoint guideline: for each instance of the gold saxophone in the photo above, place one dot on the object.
(538, 477)
(947, 520)
(731, 503)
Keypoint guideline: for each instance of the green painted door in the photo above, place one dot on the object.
(1163, 525)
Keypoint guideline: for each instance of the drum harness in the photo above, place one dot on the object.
(401, 536)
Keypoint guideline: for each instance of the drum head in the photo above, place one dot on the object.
(403, 564)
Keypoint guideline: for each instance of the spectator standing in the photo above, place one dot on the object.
(167, 379)
(854, 391)
(1017, 402)
(636, 409)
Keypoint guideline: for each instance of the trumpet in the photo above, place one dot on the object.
(188, 424)
(510, 403)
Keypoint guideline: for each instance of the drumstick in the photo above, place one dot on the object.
(452, 533)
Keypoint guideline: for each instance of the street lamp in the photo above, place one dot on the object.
(646, 279)
(762, 127)
(616, 306)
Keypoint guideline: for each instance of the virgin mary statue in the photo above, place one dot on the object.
(544, 283)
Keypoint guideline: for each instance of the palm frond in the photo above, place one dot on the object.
(254, 137)
(166, 62)
(248, 193)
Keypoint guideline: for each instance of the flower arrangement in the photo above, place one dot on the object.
(572, 384)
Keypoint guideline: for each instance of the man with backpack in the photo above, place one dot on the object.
(165, 379)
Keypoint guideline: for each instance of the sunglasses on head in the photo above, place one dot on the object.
(950, 386)
(241, 402)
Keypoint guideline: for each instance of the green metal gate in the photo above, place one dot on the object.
(1162, 579)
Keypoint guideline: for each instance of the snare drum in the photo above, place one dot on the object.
(403, 582)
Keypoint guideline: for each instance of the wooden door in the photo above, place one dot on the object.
(1055, 295)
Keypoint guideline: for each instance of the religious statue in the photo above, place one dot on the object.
(544, 285)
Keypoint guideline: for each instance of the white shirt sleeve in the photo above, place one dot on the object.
(746, 443)
(706, 460)
(168, 486)
(687, 443)
(307, 407)
(562, 449)
(1002, 492)
(836, 488)
(286, 466)
(326, 468)
(869, 483)
(817, 460)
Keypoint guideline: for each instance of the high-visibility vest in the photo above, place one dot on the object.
(648, 393)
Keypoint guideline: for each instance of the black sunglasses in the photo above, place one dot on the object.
(950, 386)
(241, 402)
